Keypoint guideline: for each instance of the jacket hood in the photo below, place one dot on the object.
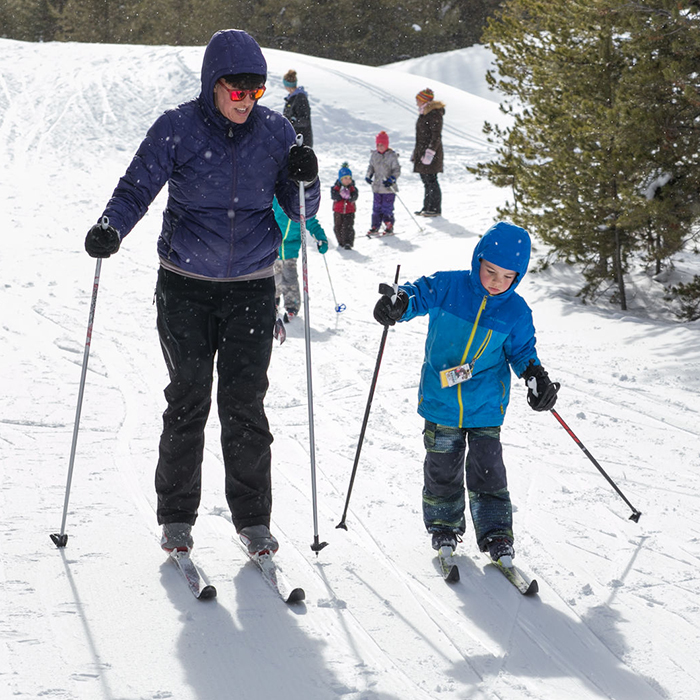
(229, 51)
(505, 245)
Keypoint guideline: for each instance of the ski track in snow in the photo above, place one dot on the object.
(109, 616)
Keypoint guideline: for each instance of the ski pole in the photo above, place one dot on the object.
(373, 386)
(316, 546)
(339, 308)
(61, 539)
(635, 513)
(393, 189)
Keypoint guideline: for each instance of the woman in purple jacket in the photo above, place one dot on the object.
(224, 158)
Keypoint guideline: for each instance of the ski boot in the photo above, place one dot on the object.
(177, 537)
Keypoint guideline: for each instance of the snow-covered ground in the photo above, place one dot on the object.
(108, 617)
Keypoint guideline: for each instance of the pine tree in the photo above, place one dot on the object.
(585, 83)
(30, 20)
(664, 100)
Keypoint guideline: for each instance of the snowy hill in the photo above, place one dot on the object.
(108, 617)
(462, 68)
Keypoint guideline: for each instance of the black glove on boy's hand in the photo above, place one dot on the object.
(102, 241)
(391, 305)
(541, 391)
(303, 166)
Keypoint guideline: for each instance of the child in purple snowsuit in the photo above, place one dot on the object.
(382, 173)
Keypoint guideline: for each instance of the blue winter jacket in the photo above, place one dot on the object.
(504, 335)
(221, 176)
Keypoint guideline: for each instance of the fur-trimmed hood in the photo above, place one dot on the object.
(433, 104)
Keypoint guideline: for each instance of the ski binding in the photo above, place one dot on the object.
(450, 571)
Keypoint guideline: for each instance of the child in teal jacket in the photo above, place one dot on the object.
(286, 276)
(479, 329)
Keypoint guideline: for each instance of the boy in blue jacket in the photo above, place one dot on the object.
(224, 157)
(479, 328)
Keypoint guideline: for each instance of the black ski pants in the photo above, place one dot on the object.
(432, 200)
(199, 320)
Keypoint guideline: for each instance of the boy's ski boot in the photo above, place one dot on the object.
(501, 550)
(444, 538)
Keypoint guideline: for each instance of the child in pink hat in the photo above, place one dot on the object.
(382, 173)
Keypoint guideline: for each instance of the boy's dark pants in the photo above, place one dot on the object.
(198, 320)
(443, 491)
(344, 228)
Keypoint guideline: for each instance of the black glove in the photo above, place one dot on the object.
(303, 166)
(541, 391)
(386, 311)
(389, 181)
(102, 240)
(368, 180)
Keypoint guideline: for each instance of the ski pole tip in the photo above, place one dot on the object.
(341, 526)
(635, 516)
(59, 540)
(318, 546)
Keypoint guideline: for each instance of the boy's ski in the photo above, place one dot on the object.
(449, 569)
(191, 574)
(525, 586)
(273, 576)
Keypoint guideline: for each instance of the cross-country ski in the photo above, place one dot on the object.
(192, 576)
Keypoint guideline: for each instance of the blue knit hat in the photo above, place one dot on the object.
(344, 170)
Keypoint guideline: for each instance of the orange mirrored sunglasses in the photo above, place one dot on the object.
(238, 95)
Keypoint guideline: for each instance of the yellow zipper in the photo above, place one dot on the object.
(479, 352)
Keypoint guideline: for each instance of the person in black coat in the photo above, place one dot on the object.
(427, 155)
(296, 107)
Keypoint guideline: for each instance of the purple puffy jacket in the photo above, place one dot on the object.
(222, 177)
